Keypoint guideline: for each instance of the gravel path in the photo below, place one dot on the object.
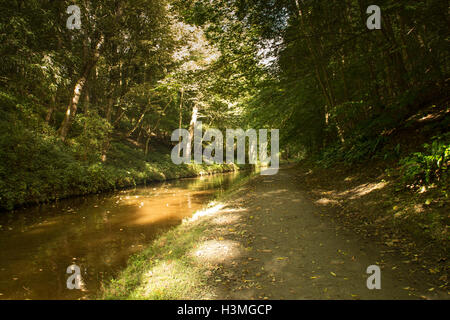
(290, 250)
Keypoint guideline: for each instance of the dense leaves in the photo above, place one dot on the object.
(73, 100)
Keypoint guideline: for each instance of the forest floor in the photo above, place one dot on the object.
(278, 237)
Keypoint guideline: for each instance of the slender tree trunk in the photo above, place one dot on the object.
(376, 91)
(87, 100)
(192, 127)
(137, 123)
(139, 135)
(181, 116)
(72, 108)
(147, 142)
(149, 130)
(344, 80)
(78, 89)
(396, 59)
(321, 72)
(106, 143)
(52, 108)
(86, 105)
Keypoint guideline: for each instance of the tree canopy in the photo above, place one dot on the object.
(137, 70)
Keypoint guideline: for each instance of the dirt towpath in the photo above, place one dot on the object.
(287, 249)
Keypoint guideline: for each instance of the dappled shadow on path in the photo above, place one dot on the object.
(289, 249)
(270, 242)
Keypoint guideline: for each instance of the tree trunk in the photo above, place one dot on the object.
(181, 116)
(108, 118)
(73, 104)
(137, 123)
(149, 130)
(193, 122)
(51, 109)
(321, 73)
(192, 128)
(396, 59)
(146, 144)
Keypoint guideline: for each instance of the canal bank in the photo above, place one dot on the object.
(58, 172)
(267, 240)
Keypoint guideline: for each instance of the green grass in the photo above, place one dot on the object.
(166, 269)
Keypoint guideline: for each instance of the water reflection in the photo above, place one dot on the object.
(98, 233)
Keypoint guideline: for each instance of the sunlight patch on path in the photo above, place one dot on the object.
(363, 190)
(215, 252)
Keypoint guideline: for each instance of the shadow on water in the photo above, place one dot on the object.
(98, 233)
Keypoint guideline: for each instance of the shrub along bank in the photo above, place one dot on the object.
(39, 167)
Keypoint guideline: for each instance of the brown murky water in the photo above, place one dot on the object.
(98, 233)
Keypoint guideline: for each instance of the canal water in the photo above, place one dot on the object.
(98, 233)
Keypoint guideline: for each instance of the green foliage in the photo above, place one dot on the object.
(333, 89)
(428, 166)
(350, 115)
(36, 166)
(92, 132)
(355, 150)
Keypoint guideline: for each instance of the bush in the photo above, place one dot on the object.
(36, 166)
(429, 166)
(353, 151)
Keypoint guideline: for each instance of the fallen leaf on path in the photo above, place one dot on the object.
(436, 270)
